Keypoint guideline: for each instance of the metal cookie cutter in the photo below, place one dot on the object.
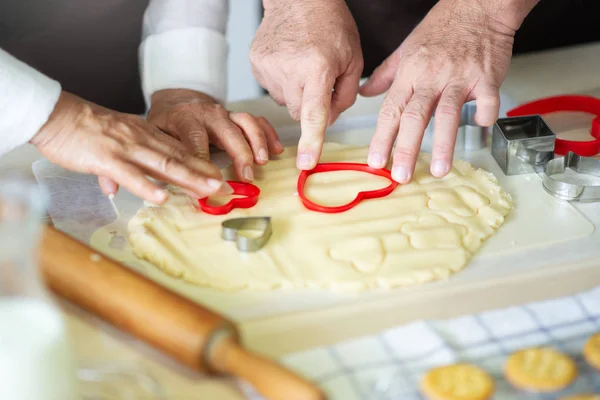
(240, 231)
(470, 136)
(522, 145)
(581, 191)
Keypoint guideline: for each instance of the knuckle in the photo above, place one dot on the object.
(278, 99)
(447, 111)
(405, 153)
(489, 101)
(415, 112)
(219, 108)
(87, 110)
(123, 129)
(321, 65)
(131, 148)
(294, 111)
(313, 115)
(179, 153)
(316, 101)
(166, 163)
(246, 116)
(443, 148)
(231, 131)
(202, 154)
(243, 156)
(389, 112)
(318, 58)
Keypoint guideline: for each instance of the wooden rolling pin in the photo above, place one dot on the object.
(188, 332)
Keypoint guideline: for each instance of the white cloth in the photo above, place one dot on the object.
(27, 98)
(183, 46)
(389, 365)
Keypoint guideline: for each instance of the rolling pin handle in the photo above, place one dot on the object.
(268, 378)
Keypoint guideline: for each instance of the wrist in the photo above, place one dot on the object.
(63, 111)
(177, 96)
(510, 13)
(270, 4)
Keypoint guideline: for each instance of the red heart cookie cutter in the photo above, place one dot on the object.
(329, 167)
(240, 188)
(579, 103)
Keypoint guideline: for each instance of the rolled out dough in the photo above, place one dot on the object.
(423, 231)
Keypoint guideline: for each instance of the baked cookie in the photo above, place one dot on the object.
(540, 369)
(457, 382)
(591, 351)
(584, 396)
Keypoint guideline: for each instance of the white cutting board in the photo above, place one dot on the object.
(540, 231)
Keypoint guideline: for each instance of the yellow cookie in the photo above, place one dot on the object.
(591, 351)
(586, 396)
(457, 382)
(540, 369)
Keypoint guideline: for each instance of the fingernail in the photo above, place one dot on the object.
(304, 161)
(226, 188)
(161, 195)
(248, 173)
(263, 155)
(439, 168)
(376, 161)
(279, 145)
(214, 183)
(399, 173)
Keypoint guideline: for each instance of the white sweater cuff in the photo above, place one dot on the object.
(27, 98)
(190, 58)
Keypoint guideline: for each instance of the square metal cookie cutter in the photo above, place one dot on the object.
(573, 191)
(522, 145)
(236, 230)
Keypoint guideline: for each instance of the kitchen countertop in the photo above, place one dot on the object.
(569, 70)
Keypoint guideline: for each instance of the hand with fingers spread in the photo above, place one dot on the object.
(124, 150)
(307, 54)
(460, 52)
(197, 120)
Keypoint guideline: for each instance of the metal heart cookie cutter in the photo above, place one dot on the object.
(249, 233)
(248, 190)
(573, 191)
(342, 166)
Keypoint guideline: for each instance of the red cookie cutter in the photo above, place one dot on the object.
(240, 188)
(329, 167)
(579, 103)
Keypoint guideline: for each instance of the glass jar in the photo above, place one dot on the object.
(36, 361)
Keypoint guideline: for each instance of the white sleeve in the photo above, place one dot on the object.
(184, 47)
(27, 98)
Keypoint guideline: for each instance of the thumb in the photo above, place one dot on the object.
(382, 78)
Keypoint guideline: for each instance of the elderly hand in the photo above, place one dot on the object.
(123, 149)
(197, 120)
(460, 52)
(307, 54)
